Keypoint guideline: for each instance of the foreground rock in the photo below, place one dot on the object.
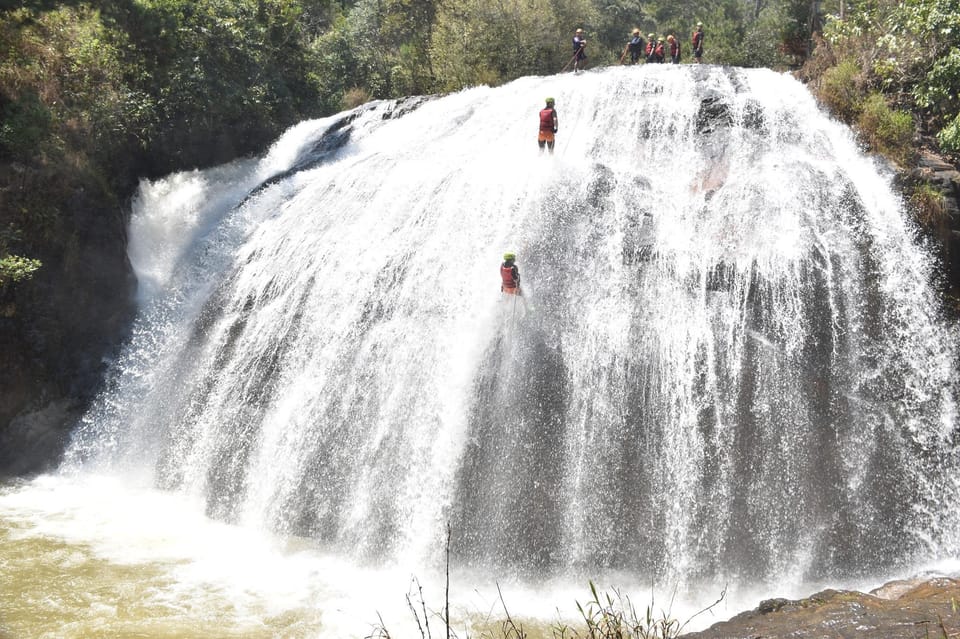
(898, 610)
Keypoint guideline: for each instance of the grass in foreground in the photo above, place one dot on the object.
(608, 615)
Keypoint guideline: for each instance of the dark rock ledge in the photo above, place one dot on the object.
(906, 609)
(944, 177)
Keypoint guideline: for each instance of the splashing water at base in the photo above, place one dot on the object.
(146, 563)
(129, 563)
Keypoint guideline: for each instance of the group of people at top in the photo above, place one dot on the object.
(654, 49)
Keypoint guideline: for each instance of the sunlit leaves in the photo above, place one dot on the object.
(15, 268)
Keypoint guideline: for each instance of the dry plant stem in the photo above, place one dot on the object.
(723, 593)
(447, 607)
(510, 629)
(423, 605)
(416, 615)
(381, 632)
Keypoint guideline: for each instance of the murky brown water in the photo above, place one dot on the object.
(61, 590)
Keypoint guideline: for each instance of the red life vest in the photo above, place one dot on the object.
(546, 119)
(506, 274)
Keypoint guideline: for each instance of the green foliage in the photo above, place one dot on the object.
(217, 67)
(887, 130)
(929, 206)
(949, 137)
(909, 50)
(940, 87)
(724, 43)
(766, 39)
(25, 122)
(840, 92)
(14, 268)
(483, 42)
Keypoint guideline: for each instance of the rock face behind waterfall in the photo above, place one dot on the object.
(58, 330)
(945, 179)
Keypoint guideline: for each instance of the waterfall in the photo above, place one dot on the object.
(729, 364)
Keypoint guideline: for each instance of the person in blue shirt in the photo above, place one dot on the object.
(636, 47)
(579, 50)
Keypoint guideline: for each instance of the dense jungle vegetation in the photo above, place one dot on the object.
(96, 94)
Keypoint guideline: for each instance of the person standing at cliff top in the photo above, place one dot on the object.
(635, 46)
(579, 50)
(651, 50)
(658, 51)
(674, 49)
(697, 40)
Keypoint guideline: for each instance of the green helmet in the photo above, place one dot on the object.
(507, 257)
(549, 100)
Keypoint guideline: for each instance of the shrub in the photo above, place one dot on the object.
(887, 130)
(24, 124)
(949, 137)
(355, 97)
(928, 204)
(839, 90)
(14, 268)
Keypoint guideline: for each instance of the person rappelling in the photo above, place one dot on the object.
(548, 126)
(510, 275)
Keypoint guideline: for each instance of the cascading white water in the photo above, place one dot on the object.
(729, 365)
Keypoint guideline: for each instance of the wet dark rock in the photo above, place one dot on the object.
(58, 331)
(753, 115)
(944, 177)
(714, 113)
(26, 443)
(601, 186)
(905, 609)
(638, 237)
